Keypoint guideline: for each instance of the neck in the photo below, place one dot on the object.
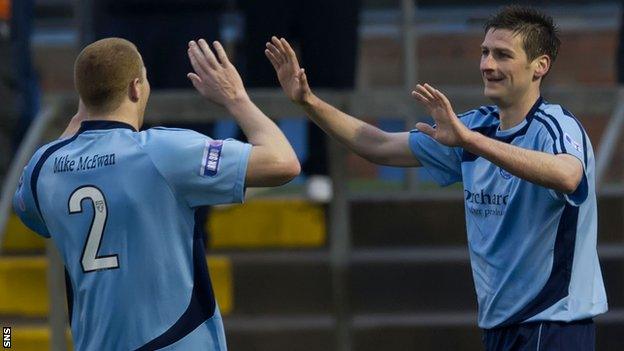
(121, 114)
(511, 114)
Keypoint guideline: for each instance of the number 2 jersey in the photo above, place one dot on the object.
(120, 207)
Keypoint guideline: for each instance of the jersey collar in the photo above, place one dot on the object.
(99, 125)
(521, 129)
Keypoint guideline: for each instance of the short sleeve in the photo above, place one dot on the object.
(566, 136)
(25, 206)
(201, 170)
(442, 162)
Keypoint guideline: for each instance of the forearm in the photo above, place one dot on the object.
(536, 167)
(355, 134)
(259, 129)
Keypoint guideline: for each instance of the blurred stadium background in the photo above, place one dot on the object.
(384, 264)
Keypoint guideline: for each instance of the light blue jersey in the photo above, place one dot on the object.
(119, 205)
(532, 249)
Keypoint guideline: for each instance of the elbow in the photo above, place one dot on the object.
(292, 169)
(569, 185)
(287, 169)
(570, 175)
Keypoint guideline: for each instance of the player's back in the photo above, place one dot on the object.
(113, 203)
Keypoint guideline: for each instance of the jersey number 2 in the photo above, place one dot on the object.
(90, 261)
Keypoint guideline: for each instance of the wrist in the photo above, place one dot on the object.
(237, 102)
(309, 100)
(470, 139)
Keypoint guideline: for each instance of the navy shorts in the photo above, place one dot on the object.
(542, 336)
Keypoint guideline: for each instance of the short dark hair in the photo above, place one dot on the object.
(538, 30)
(103, 72)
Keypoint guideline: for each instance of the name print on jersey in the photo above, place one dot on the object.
(84, 163)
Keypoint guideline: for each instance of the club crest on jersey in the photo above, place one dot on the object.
(573, 142)
(505, 174)
(212, 155)
(99, 205)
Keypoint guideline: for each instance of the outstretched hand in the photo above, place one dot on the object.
(214, 77)
(449, 130)
(292, 78)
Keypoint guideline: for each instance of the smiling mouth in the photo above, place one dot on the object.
(494, 80)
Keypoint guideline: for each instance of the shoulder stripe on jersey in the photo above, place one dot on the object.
(37, 169)
(550, 131)
(202, 305)
(583, 133)
(558, 283)
(488, 131)
(466, 113)
(557, 125)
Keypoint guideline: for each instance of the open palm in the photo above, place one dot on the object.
(449, 129)
(292, 78)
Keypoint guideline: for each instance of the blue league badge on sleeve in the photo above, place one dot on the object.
(210, 160)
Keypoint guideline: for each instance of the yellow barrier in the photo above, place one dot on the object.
(34, 338)
(24, 291)
(19, 238)
(267, 223)
(220, 268)
(257, 224)
(23, 286)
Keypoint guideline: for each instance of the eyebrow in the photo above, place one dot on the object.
(499, 49)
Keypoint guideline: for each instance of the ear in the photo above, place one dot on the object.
(541, 65)
(135, 90)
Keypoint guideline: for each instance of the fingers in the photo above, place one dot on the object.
(280, 46)
(303, 79)
(277, 54)
(444, 101)
(208, 54)
(420, 97)
(430, 96)
(197, 61)
(195, 79)
(290, 53)
(425, 128)
(221, 53)
(425, 92)
(271, 58)
(203, 59)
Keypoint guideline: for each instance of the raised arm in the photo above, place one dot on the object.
(562, 172)
(362, 138)
(272, 161)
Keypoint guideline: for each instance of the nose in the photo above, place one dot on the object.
(487, 63)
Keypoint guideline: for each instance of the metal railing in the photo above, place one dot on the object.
(188, 106)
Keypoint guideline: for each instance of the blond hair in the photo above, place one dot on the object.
(103, 71)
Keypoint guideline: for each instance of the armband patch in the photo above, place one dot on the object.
(210, 160)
